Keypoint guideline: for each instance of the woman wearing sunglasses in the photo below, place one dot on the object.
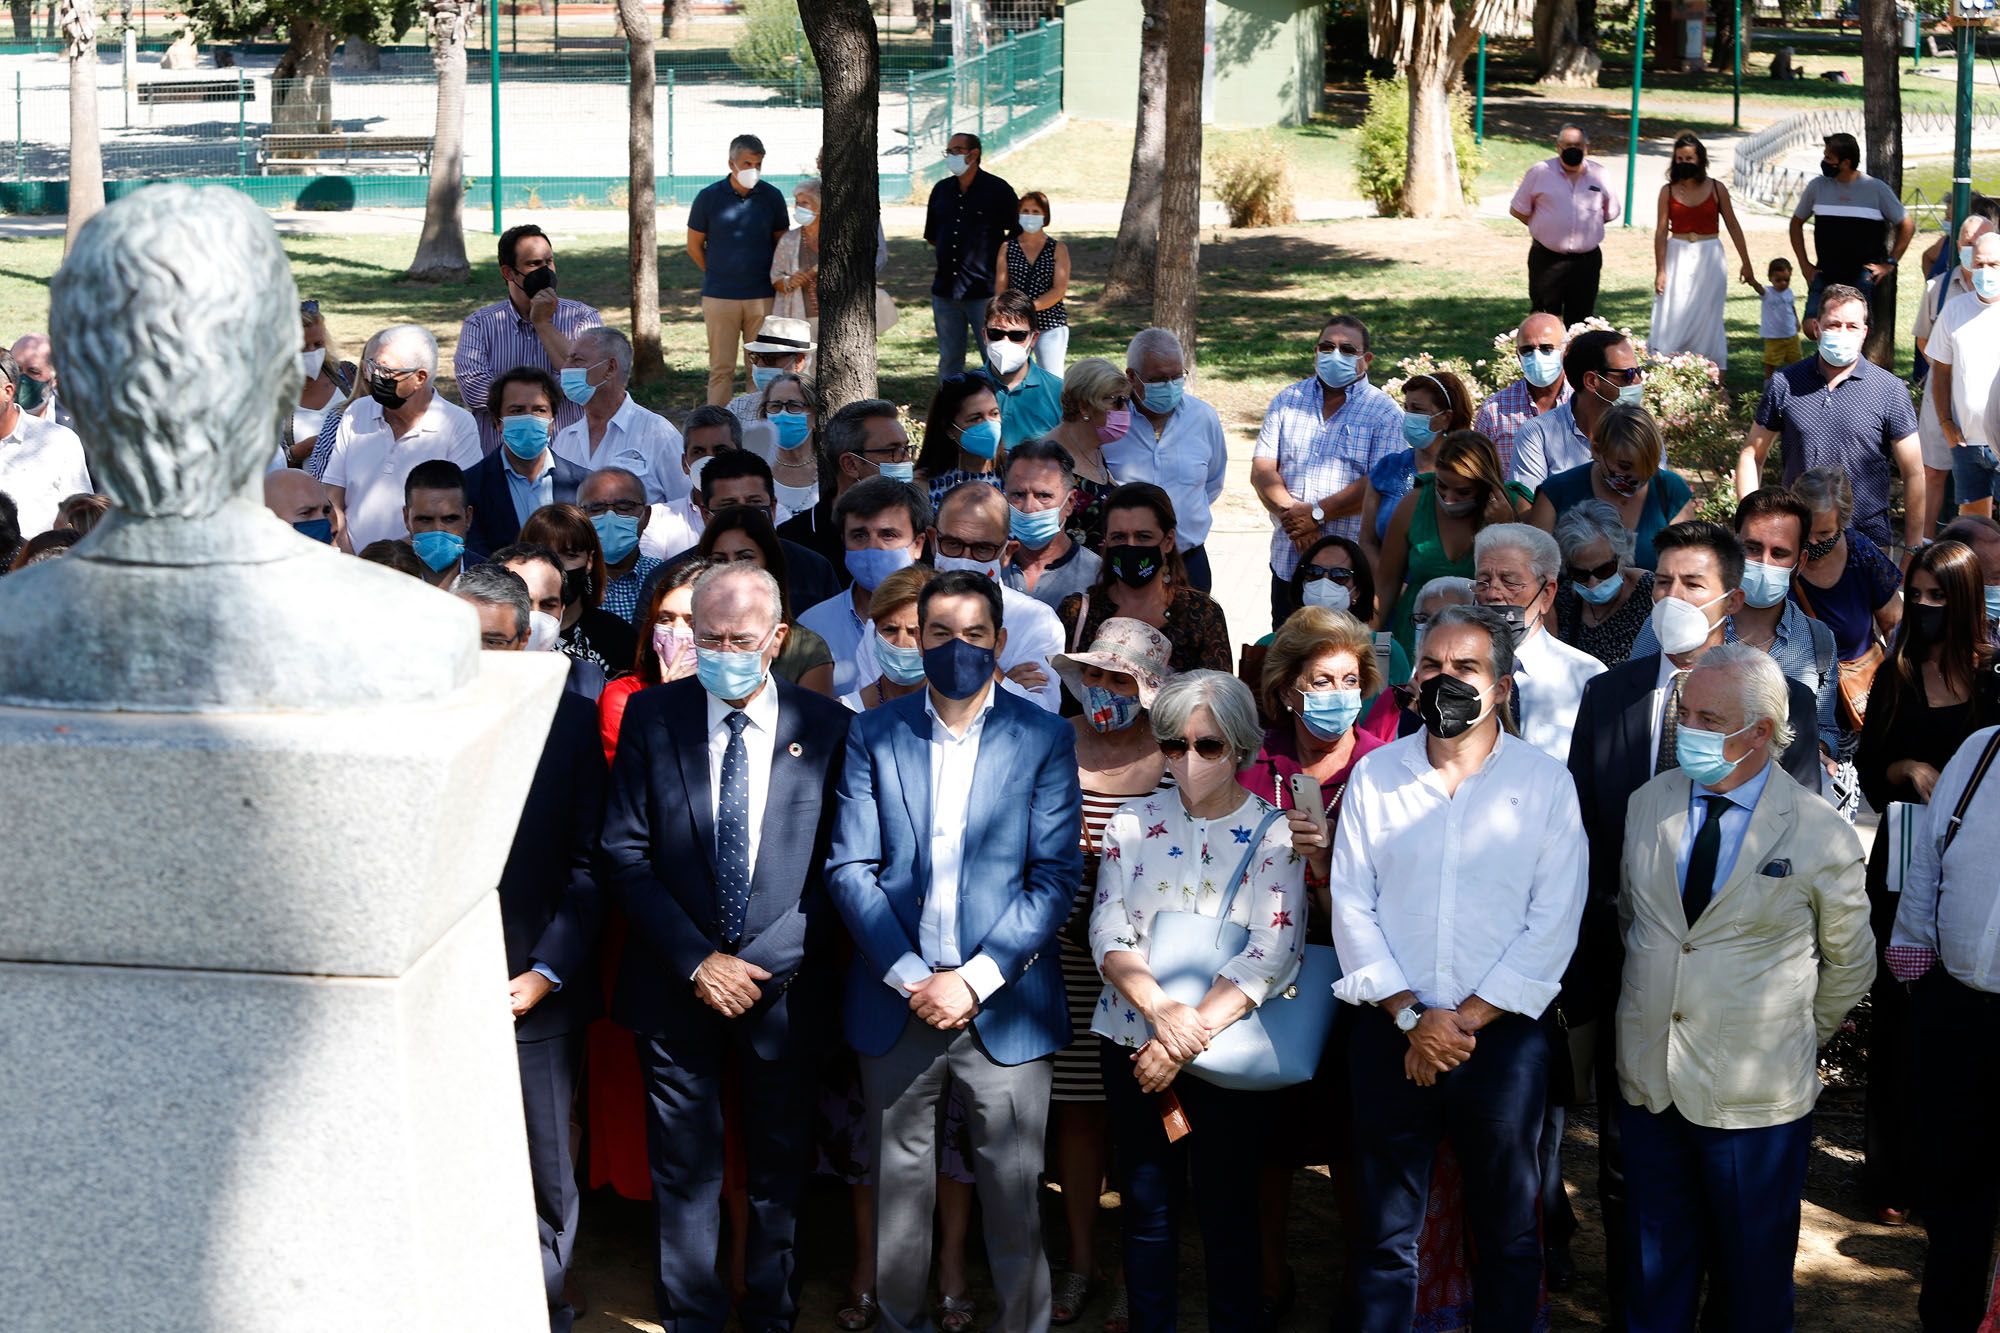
(1604, 598)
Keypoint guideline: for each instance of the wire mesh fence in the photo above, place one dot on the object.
(365, 137)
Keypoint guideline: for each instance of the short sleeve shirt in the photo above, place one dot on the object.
(742, 232)
(1966, 337)
(1318, 455)
(1031, 409)
(1851, 221)
(1852, 425)
(966, 227)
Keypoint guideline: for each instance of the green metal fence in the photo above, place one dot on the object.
(362, 139)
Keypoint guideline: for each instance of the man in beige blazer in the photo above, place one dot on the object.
(1746, 942)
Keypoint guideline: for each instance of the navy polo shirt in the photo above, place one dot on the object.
(742, 232)
(967, 226)
(1852, 425)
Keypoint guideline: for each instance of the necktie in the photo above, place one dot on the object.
(732, 833)
(1700, 886)
(1670, 725)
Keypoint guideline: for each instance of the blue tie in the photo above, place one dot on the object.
(732, 833)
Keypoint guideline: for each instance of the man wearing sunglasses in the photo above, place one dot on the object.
(1539, 344)
(1030, 397)
(1603, 368)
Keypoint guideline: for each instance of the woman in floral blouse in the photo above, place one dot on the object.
(1173, 852)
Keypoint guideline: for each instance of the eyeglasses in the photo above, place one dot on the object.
(1011, 335)
(964, 550)
(1507, 583)
(894, 453)
(1346, 349)
(388, 372)
(495, 643)
(1208, 747)
(1546, 349)
(1314, 573)
(1598, 575)
(733, 643)
(784, 405)
(629, 508)
(1624, 374)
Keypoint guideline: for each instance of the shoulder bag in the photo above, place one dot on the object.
(1278, 1043)
(1856, 677)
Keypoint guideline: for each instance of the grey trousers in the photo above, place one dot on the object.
(1007, 1110)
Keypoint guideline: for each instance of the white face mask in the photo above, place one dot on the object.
(803, 216)
(955, 163)
(1325, 592)
(1034, 222)
(311, 363)
(1007, 355)
(945, 564)
(543, 631)
(1682, 627)
(748, 177)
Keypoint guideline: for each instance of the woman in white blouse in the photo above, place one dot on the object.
(1173, 852)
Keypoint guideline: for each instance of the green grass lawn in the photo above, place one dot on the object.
(1932, 175)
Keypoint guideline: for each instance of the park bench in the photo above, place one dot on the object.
(168, 92)
(589, 44)
(299, 151)
(929, 126)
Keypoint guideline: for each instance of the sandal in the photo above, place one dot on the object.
(954, 1313)
(1118, 1319)
(860, 1312)
(1071, 1292)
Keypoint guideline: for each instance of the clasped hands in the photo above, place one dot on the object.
(945, 1000)
(1179, 1035)
(1442, 1041)
(728, 984)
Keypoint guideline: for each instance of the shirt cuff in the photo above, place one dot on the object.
(983, 975)
(1504, 988)
(554, 980)
(1372, 984)
(1909, 962)
(905, 972)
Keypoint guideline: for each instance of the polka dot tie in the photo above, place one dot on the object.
(732, 833)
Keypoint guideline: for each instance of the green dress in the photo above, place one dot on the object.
(1427, 559)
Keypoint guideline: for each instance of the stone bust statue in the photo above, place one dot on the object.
(176, 331)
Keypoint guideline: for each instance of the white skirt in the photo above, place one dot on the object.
(1687, 317)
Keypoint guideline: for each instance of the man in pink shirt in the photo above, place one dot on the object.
(1565, 203)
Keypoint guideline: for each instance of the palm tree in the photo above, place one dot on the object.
(86, 158)
(441, 248)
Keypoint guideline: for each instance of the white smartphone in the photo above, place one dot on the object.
(1308, 800)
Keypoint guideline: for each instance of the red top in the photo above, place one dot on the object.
(1702, 219)
(611, 710)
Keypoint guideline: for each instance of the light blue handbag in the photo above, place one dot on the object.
(1275, 1045)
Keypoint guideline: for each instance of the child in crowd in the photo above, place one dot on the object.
(1779, 323)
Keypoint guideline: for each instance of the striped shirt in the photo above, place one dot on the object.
(1851, 221)
(1320, 455)
(1501, 417)
(497, 338)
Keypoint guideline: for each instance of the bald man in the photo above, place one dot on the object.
(1964, 352)
(1539, 343)
(299, 499)
(36, 391)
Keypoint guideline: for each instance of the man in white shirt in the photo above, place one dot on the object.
(614, 430)
(1457, 883)
(1191, 470)
(1964, 351)
(1516, 567)
(41, 463)
(882, 525)
(400, 422)
(1953, 282)
(36, 390)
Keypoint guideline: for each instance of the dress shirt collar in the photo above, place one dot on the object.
(1417, 758)
(1664, 678)
(1744, 797)
(1533, 652)
(942, 734)
(763, 709)
(547, 460)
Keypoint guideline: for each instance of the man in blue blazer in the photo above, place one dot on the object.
(715, 835)
(955, 862)
(523, 474)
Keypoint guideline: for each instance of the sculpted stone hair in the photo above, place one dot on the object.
(177, 394)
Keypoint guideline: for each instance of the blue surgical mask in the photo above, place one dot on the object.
(906, 471)
(957, 669)
(617, 534)
(1699, 753)
(1986, 282)
(1840, 347)
(1337, 370)
(1542, 368)
(1993, 601)
(576, 385)
(904, 666)
(761, 376)
(1329, 713)
(1600, 593)
(728, 675)
(870, 566)
(1164, 396)
(981, 439)
(792, 427)
(321, 530)
(1765, 585)
(1107, 710)
(1632, 395)
(525, 437)
(1417, 432)
(1034, 530)
(437, 549)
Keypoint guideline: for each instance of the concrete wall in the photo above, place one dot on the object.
(1265, 62)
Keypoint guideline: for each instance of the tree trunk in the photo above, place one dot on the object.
(1564, 32)
(361, 54)
(1431, 187)
(678, 14)
(642, 242)
(1882, 150)
(302, 82)
(1722, 16)
(844, 44)
(1178, 260)
(441, 247)
(24, 19)
(1131, 278)
(86, 157)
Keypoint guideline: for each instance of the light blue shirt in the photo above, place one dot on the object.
(1187, 459)
(835, 621)
(1735, 823)
(1549, 444)
(530, 495)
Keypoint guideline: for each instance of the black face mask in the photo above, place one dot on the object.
(1926, 622)
(1571, 157)
(1830, 168)
(384, 390)
(1448, 706)
(538, 281)
(1134, 566)
(1517, 620)
(1686, 171)
(576, 585)
(1821, 550)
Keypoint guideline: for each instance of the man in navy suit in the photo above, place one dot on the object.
(523, 474)
(717, 828)
(955, 862)
(549, 913)
(1625, 733)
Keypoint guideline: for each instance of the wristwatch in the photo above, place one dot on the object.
(1407, 1016)
(1319, 514)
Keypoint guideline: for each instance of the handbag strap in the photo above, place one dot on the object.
(1082, 615)
(1242, 870)
(1971, 786)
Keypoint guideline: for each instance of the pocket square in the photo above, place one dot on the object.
(1777, 869)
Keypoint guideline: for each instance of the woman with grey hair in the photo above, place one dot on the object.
(1176, 852)
(1844, 578)
(1603, 599)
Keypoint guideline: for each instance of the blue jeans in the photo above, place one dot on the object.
(1224, 1155)
(1975, 473)
(952, 319)
(1863, 284)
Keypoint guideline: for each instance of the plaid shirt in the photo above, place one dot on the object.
(621, 596)
(1318, 455)
(1501, 417)
(497, 338)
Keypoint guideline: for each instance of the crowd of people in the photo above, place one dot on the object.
(890, 784)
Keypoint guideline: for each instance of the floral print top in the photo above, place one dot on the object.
(1155, 857)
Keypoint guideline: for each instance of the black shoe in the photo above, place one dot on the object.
(1561, 1269)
